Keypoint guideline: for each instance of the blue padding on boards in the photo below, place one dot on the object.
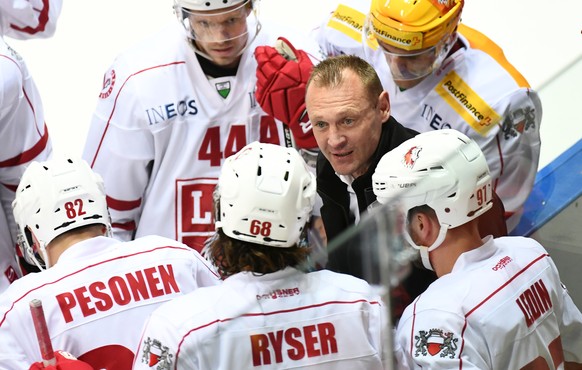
(556, 186)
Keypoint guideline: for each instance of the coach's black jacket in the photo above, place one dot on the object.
(336, 200)
(335, 211)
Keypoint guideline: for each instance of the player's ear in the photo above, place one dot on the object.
(384, 105)
(421, 227)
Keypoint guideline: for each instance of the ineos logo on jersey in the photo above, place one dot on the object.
(168, 111)
(435, 121)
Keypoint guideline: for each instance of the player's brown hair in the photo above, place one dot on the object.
(329, 73)
(231, 256)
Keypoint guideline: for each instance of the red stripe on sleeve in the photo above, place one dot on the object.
(127, 226)
(30, 154)
(122, 205)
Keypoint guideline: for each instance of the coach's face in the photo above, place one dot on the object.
(347, 124)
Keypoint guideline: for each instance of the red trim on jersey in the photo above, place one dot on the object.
(43, 18)
(27, 98)
(475, 308)
(489, 297)
(294, 309)
(413, 324)
(507, 283)
(30, 154)
(10, 187)
(127, 226)
(115, 103)
(122, 205)
(89, 267)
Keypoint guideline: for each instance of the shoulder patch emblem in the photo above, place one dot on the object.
(518, 121)
(156, 354)
(435, 342)
(108, 83)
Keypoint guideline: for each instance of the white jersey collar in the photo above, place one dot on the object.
(87, 249)
(470, 259)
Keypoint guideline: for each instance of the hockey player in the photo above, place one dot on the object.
(96, 291)
(24, 134)
(173, 108)
(498, 302)
(267, 313)
(440, 73)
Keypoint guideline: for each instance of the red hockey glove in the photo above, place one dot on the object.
(282, 74)
(64, 361)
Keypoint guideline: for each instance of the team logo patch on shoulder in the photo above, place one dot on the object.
(108, 83)
(156, 354)
(518, 121)
(435, 342)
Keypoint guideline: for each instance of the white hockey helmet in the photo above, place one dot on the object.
(266, 194)
(54, 197)
(206, 5)
(218, 20)
(443, 169)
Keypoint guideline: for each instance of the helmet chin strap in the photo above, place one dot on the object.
(424, 250)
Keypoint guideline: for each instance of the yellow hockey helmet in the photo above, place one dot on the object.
(414, 24)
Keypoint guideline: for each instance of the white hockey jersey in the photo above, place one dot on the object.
(162, 129)
(26, 19)
(501, 307)
(476, 91)
(96, 299)
(23, 137)
(287, 319)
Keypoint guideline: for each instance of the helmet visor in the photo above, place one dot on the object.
(409, 65)
(406, 66)
(217, 26)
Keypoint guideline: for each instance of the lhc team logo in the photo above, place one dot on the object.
(155, 354)
(108, 82)
(435, 342)
(411, 156)
(518, 121)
